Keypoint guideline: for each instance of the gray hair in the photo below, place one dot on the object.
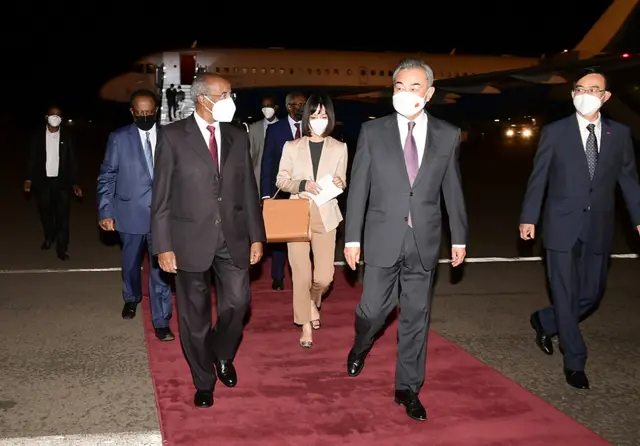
(291, 96)
(199, 87)
(407, 64)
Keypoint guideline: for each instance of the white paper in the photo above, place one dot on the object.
(329, 190)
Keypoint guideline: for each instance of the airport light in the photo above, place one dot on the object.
(625, 55)
(526, 133)
(510, 132)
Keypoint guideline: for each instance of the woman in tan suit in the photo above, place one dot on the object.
(305, 161)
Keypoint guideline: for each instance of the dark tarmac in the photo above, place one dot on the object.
(72, 368)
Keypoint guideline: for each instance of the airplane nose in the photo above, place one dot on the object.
(119, 89)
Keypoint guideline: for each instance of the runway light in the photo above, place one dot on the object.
(625, 55)
(526, 133)
(496, 120)
(510, 132)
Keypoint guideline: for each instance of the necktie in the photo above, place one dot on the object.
(297, 124)
(591, 150)
(149, 155)
(411, 157)
(213, 146)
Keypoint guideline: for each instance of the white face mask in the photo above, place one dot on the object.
(54, 120)
(407, 103)
(318, 126)
(586, 104)
(223, 110)
(268, 112)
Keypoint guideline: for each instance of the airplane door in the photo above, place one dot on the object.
(362, 75)
(187, 68)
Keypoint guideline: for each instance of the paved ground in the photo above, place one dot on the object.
(72, 366)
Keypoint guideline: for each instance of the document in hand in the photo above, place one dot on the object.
(328, 192)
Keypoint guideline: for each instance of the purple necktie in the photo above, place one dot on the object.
(213, 146)
(411, 157)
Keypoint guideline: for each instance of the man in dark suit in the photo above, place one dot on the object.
(277, 135)
(52, 174)
(124, 205)
(205, 213)
(579, 161)
(403, 163)
(258, 132)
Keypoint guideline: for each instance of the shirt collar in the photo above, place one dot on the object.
(202, 123)
(291, 121)
(422, 118)
(583, 122)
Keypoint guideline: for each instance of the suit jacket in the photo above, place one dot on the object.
(37, 164)
(576, 205)
(256, 140)
(277, 135)
(124, 183)
(379, 175)
(296, 166)
(191, 202)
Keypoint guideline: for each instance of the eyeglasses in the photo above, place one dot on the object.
(225, 95)
(594, 90)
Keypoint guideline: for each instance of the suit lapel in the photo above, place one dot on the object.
(604, 148)
(325, 156)
(431, 146)
(197, 143)
(391, 137)
(138, 154)
(226, 140)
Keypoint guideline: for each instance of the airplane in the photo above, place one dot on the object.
(366, 76)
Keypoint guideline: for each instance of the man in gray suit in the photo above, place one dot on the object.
(258, 130)
(403, 163)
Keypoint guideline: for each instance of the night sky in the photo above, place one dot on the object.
(59, 58)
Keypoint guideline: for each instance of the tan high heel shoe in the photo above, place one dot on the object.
(305, 343)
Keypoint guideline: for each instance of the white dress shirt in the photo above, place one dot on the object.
(53, 153)
(206, 134)
(267, 123)
(153, 137)
(584, 132)
(420, 135)
(292, 125)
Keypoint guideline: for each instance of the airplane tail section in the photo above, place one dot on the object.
(607, 29)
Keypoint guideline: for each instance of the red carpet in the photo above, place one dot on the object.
(290, 396)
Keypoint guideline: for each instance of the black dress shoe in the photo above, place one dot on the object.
(129, 310)
(278, 284)
(575, 379)
(164, 334)
(412, 404)
(63, 255)
(355, 363)
(543, 341)
(226, 373)
(45, 245)
(203, 398)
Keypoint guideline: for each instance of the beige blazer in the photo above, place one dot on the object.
(296, 166)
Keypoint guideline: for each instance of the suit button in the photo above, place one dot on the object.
(411, 194)
(591, 190)
(218, 221)
(149, 206)
(219, 198)
(406, 219)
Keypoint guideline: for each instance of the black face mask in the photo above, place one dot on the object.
(297, 113)
(145, 123)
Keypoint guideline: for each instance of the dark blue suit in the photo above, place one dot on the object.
(578, 221)
(124, 194)
(277, 135)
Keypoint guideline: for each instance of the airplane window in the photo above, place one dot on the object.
(318, 71)
(151, 68)
(348, 72)
(309, 71)
(390, 73)
(281, 70)
(244, 71)
(254, 71)
(235, 69)
(226, 70)
(363, 72)
(273, 70)
(373, 72)
(291, 71)
(327, 71)
(381, 72)
(264, 71)
(335, 71)
(217, 69)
